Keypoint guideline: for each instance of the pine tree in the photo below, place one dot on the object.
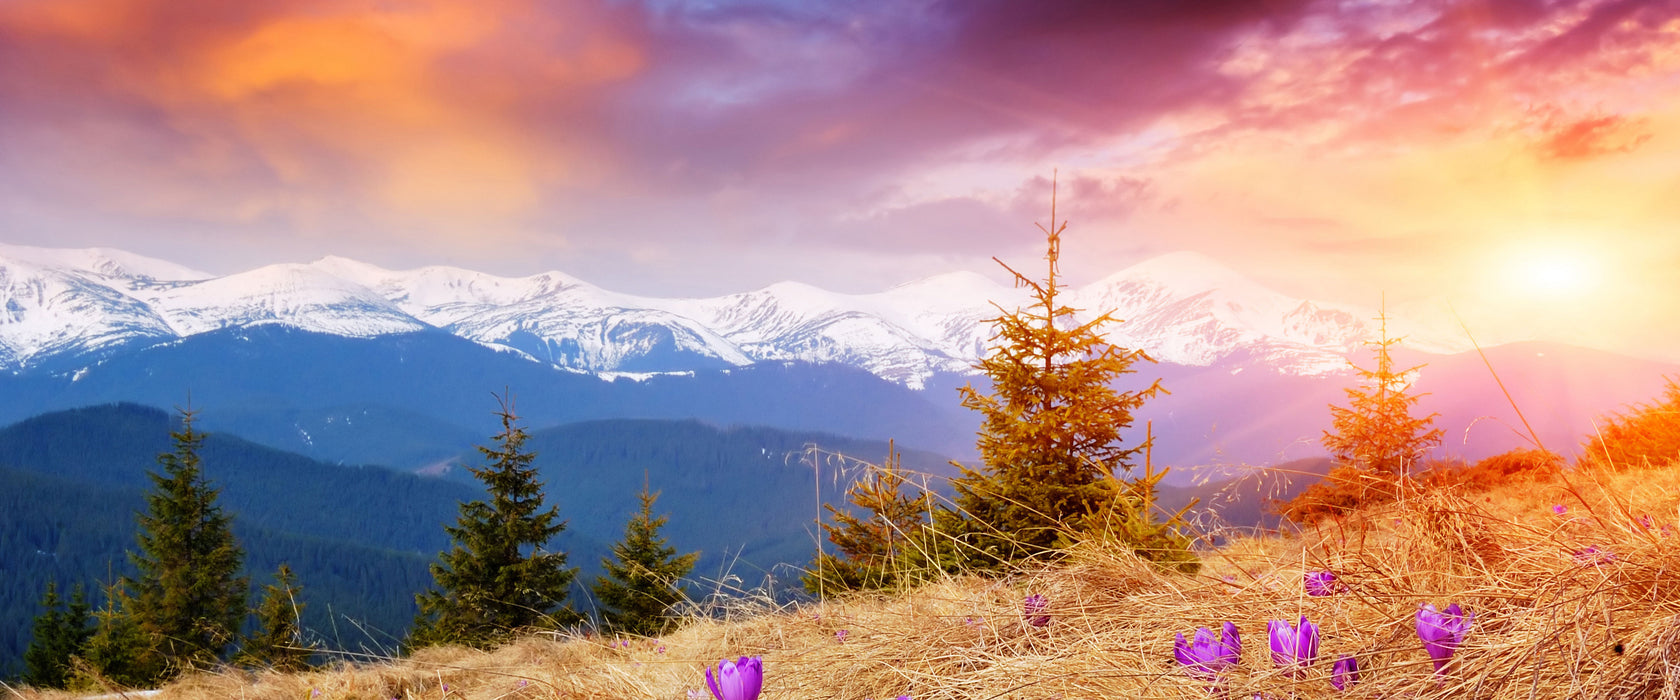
(1050, 439)
(1376, 433)
(60, 632)
(640, 591)
(278, 641)
(497, 579)
(878, 551)
(188, 596)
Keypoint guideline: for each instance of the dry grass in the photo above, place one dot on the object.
(1547, 625)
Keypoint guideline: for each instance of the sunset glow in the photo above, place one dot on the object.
(1553, 274)
(1429, 153)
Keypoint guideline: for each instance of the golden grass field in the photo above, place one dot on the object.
(1548, 623)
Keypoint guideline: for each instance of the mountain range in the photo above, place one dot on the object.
(1182, 308)
(348, 362)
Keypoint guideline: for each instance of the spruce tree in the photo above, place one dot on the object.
(188, 596)
(497, 578)
(877, 551)
(1050, 440)
(278, 642)
(119, 652)
(60, 632)
(640, 591)
(1376, 433)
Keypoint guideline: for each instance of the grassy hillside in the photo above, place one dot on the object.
(1548, 622)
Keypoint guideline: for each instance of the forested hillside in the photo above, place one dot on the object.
(360, 538)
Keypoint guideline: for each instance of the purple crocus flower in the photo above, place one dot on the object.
(1442, 632)
(1344, 673)
(840, 635)
(1294, 647)
(1319, 583)
(1594, 555)
(1033, 609)
(1560, 509)
(1206, 656)
(736, 680)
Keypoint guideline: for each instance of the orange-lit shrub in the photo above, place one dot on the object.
(1342, 491)
(1646, 435)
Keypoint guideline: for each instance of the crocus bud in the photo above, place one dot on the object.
(1033, 610)
(736, 680)
(1319, 583)
(1442, 632)
(1344, 673)
(1294, 647)
(1206, 656)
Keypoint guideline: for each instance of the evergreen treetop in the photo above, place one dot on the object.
(641, 589)
(1376, 432)
(188, 596)
(278, 642)
(882, 549)
(1050, 441)
(497, 578)
(60, 632)
(119, 652)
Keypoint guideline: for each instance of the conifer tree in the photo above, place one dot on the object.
(640, 590)
(119, 652)
(1376, 433)
(278, 641)
(188, 596)
(60, 632)
(1050, 439)
(878, 551)
(497, 578)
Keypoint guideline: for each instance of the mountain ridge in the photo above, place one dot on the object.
(1182, 308)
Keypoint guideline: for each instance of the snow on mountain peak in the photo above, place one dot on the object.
(1184, 308)
(102, 262)
(293, 294)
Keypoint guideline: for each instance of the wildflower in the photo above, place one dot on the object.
(1294, 647)
(1344, 673)
(693, 694)
(1033, 609)
(840, 636)
(1593, 555)
(1646, 522)
(1207, 656)
(1442, 632)
(1560, 509)
(736, 680)
(1319, 583)
(660, 649)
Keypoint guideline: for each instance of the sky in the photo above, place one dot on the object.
(1517, 161)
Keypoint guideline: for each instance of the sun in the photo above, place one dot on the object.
(1551, 273)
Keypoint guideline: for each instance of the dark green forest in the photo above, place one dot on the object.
(360, 538)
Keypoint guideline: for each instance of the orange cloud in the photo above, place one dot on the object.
(407, 112)
(96, 20)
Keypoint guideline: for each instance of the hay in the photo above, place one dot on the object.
(1549, 622)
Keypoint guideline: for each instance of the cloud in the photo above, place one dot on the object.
(347, 115)
(1589, 137)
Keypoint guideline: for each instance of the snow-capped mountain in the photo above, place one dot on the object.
(1181, 308)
